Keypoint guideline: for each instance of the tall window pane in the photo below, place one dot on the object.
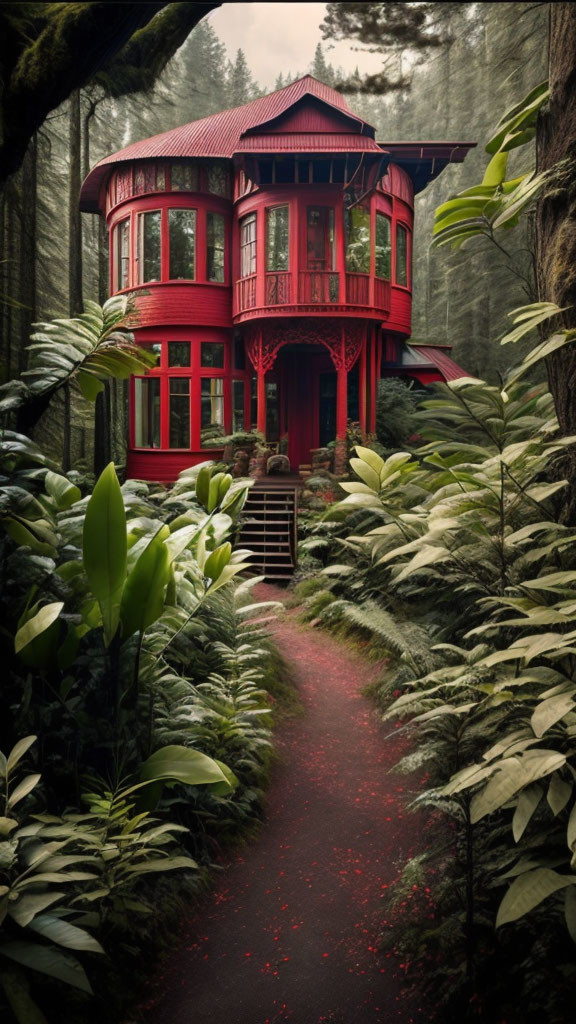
(383, 252)
(215, 240)
(277, 250)
(179, 412)
(358, 240)
(122, 254)
(238, 405)
(320, 238)
(182, 235)
(401, 255)
(147, 412)
(211, 408)
(248, 245)
(149, 246)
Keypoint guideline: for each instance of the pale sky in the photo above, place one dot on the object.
(279, 37)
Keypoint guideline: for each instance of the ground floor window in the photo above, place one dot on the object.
(211, 409)
(147, 412)
(195, 396)
(179, 412)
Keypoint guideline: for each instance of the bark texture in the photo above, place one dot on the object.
(556, 218)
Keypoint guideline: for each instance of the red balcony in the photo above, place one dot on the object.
(311, 289)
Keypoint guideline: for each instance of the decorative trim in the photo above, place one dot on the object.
(343, 341)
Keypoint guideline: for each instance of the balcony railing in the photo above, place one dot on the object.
(278, 289)
(318, 286)
(358, 289)
(381, 293)
(313, 288)
(246, 293)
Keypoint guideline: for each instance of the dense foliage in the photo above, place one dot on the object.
(134, 693)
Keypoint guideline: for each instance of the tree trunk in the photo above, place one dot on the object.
(556, 220)
(74, 221)
(28, 246)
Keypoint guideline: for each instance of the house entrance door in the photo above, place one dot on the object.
(303, 368)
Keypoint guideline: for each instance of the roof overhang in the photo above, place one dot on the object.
(424, 161)
(432, 357)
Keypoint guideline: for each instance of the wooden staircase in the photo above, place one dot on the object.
(268, 527)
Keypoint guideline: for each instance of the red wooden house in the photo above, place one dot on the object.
(269, 251)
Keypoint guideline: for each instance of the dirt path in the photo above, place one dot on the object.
(291, 932)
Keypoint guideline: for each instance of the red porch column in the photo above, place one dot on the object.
(261, 402)
(362, 387)
(373, 384)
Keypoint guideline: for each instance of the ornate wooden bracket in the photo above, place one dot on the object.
(343, 341)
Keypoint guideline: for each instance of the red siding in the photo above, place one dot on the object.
(184, 304)
(164, 466)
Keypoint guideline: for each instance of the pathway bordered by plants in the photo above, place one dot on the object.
(292, 930)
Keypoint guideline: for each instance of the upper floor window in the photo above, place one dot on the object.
(383, 250)
(277, 249)
(215, 245)
(358, 240)
(248, 245)
(122, 254)
(182, 241)
(401, 272)
(184, 178)
(320, 254)
(178, 353)
(218, 180)
(149, 246)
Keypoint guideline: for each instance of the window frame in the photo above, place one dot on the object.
(248, 246)
(269, 210)
(117, 257)
(386, 217)
(139, 248)
(222, 216)
(168, 210)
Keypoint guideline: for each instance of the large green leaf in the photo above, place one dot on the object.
(183, 765)
(513, 776)
(143, 595)
(47, 960)
(529, 890)
(105, 548)
(60, 488)
(64, 934)
(38, 624)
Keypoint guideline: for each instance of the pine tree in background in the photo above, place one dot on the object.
(241, 85)
(320, 69)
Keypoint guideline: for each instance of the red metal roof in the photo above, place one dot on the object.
(217, 135)
(438, 358)
(303, 130)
